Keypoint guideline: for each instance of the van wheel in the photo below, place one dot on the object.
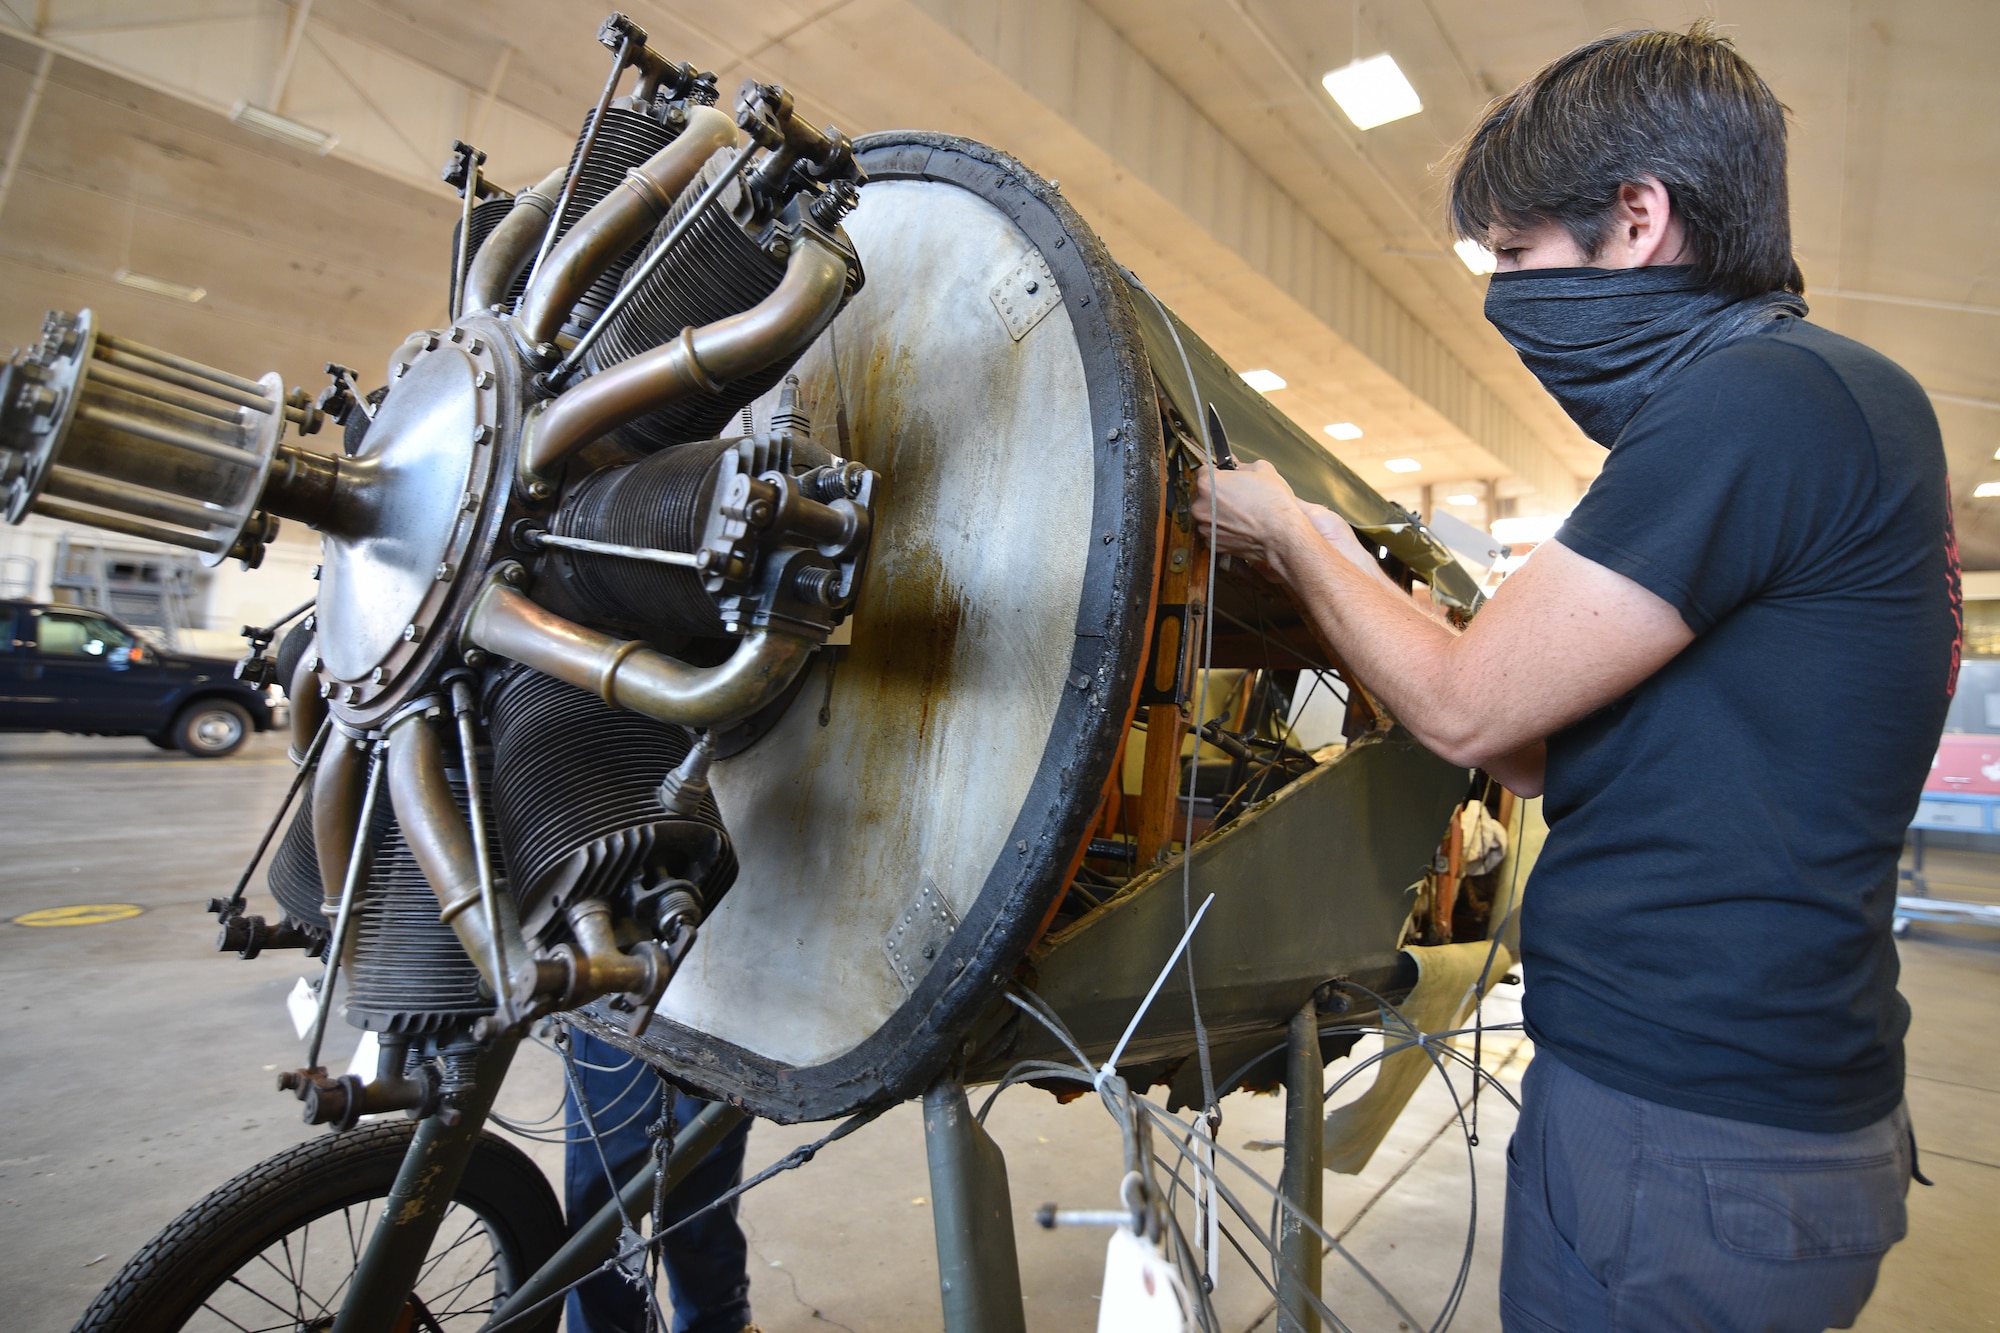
(212, 728)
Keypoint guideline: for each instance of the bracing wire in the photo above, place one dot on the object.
(1398, 1033)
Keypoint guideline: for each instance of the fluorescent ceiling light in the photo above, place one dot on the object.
(1373, 91)
(1264, 381)
(1402, 464)
(278, 127)
(180, 291)
(1475, 256)
(1533, 527)
(1344, 430)
(1461, 499)
(1986, 490)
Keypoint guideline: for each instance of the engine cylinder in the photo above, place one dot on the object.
(627, 139)
(576, 788)
(294, 877)
(486, 215)
(410, 973)
(661, 502)
(718, 269)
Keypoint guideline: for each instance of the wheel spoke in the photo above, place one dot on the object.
(236, 1281)
(446, 1297)
(431, 1264)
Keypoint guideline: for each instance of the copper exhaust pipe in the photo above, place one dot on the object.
(440, 840)
(700, 360)
(618, 222)
(512, 244)
(627, 674)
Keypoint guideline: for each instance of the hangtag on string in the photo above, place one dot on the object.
(1142, 1292)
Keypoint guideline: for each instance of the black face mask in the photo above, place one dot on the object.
(1601, 340)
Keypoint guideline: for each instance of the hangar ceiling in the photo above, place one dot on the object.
(1192, 133)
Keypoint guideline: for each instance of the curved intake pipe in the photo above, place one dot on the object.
(337, 793)
(512, 244)
(699, 361)
(627, 674)
(441, 841)
(308, 708)
(619, 221)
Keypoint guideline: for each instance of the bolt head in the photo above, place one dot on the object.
(476, 346)
(513, 575)
(410, 632)
(326, 689)
(350, 693)
(481, 434)
(402, 368)
(444, 571)
(475, 657)
(379, 674)
(430, 342)
(483, 380)
(540, 490)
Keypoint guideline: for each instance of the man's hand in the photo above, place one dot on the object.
(1563, 637)
(1253, 512)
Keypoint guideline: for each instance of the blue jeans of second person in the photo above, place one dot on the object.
(1626, 1215)
(706, 1262)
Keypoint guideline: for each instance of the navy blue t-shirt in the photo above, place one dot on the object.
(1708, 925)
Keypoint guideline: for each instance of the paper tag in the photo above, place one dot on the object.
(1142, 1292)
(303, 1005)
(366, 1056)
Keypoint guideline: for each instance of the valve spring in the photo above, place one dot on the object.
(661, 502)
(627, 139)
(294, 875)
(575, 786)
(410, 973)
(716, 270)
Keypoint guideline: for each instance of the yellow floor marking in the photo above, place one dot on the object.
(82, 914)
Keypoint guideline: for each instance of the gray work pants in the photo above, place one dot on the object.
(1624, 1215)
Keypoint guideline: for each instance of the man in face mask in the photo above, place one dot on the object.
(1727, 673)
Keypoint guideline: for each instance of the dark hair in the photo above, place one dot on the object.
(1685, 109)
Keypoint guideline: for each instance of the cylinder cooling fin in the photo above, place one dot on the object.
(626, 139)
(663, 501)
(486, 215)
(576, 789)
(716, 270)
(410, 974)
(294, 877)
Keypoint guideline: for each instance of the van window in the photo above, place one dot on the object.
(61, 634)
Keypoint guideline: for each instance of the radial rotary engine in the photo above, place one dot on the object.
(550, 574)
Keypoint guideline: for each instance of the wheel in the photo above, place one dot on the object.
(212, 728)
(273, 1249)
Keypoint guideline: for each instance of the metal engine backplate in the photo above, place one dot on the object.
(997, 637)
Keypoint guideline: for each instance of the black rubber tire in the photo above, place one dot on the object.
(163, 741)
(212, 728)
(165, 1285)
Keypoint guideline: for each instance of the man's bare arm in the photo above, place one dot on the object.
(1563, 637)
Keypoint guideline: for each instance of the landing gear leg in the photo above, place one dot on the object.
(416, 1204)
(979, 1274)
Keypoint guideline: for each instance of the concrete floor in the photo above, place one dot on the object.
(138, 1063)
